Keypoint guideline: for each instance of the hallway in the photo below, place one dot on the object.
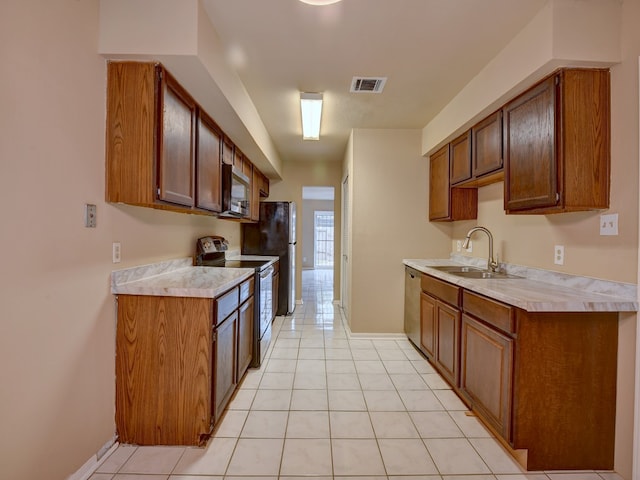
(326, 406)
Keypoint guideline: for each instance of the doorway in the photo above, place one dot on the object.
(318, 241)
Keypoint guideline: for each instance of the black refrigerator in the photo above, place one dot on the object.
(275, 234)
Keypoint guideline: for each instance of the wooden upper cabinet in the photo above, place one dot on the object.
(446, 203)
(256, 183)
(557, 144)
(461, 158)
(486, 145)
(162, 149)
(209, 164)
(176, 159)
(228, 151)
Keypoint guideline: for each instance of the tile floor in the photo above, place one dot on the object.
(325, 406)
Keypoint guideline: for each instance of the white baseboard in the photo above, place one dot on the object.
(91, 465)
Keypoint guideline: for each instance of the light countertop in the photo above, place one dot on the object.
(178, 278)
(539, 290)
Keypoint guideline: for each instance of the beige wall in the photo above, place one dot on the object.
(310, 174)
(389, 205)
(57, 326)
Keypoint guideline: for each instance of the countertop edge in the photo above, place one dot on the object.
(529, 294)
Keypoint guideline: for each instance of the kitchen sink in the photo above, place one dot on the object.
(472, 272)
(457, 269)
(483, 274)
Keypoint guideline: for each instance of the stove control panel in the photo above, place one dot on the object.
(212, 244)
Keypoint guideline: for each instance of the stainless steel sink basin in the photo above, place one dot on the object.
(483, 274)
(457, 269)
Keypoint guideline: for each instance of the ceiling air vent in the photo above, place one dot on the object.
(367, 84)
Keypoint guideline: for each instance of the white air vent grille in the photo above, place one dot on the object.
(367, 84)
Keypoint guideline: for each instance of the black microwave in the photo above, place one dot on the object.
(235, 192)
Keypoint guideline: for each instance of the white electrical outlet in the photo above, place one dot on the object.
(458, 245)
(609, 224)
(115, 252)
(558, 254)
(90, 215)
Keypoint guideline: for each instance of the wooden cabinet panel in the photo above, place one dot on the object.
(557, 144)
(447, 342)
(496, 314)
(256, 183)
(428, 325)
(245, 336)
(446, 203)
(461, 158)
(529, 136)
(486, 145)
(224, 363)
(176, 160)
(163, 376)
(209, 194)
(442, 290)
(486, 371)
(227, 151)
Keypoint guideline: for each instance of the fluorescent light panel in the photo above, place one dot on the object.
(319, 2)
(311, 108)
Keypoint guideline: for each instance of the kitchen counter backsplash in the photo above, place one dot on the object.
(539, 290)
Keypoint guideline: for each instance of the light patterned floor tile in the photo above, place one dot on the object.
(309, 400)
(376, 381)
(470, 425)
(265, 424)
(356, 457)
(498, 460)
(117, 459)
(153, 460)
(455, 456)
(231, 424)
(272, 400)
(435, 425)
(308, 424)
(406, 457)
(351, 425)
(383, 401)
(256, 457)
(212, 460)
(307, 457)
(393, 425)
(345, 400)
(420, 400)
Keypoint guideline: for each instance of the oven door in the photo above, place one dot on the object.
(266, 299)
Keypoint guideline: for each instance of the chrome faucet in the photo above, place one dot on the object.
(491, 263)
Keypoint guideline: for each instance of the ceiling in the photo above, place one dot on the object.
(428, 49)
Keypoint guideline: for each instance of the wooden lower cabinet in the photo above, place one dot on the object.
(447, 357)
(486, 369)
(543, 382)
(178, 363)
(225, 338)
(163, 370)
(245, 336)
(428, 325)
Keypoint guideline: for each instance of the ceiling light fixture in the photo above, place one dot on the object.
(311, 108)
(319, 2)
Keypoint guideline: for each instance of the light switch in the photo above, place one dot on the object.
(609, 224)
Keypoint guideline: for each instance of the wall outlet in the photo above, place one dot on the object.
(609, 224)
(458, 245)
(90, 215)
(558, 254)
(115, 252)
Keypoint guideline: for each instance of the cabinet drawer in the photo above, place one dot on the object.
(246, 290)
(494, 313)
(442, 290)
(226, 304)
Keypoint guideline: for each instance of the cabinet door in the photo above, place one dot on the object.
(486, 145)
(447, 357)
(428, 325)
(245, 336)
(209, 164)
(224, 363)
(227, 151)
(486, 372)
(439, 184)
(176, 152)
(461, 158)
(531, 170)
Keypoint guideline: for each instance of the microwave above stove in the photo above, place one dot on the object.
(235, 192)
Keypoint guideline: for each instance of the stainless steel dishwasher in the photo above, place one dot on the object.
(412, 305)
